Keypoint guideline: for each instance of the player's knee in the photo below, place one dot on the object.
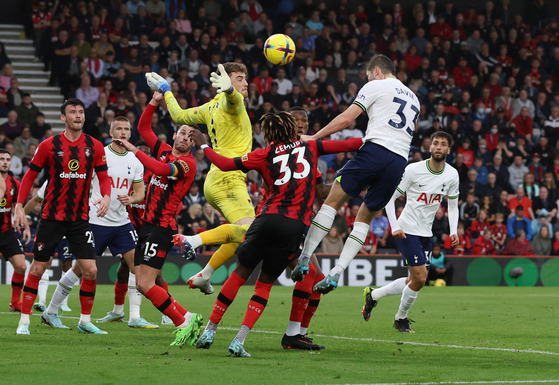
(89, 272)
(37, 268)
(20, 267)
(122, 273)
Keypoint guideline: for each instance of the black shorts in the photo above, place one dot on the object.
(154, 243)
(78, 235)
(272, 239)
(10, 245)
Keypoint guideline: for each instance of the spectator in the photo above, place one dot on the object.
(543, 219)
(4, 59)
(516, 172)
(23, 142)
(332, 242)
(380, 226)
(464, 244)
(519, 221)
(499, 232)
(441, 267)
(39, 127)
(479, 226)
(484, 244)
(182, 22)
(542, 243)
(86, 93)
(520, 245)
(13, 127)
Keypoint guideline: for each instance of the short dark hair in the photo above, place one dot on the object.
(4, 151)
(70, 102)
(442, 134)
(383, 62)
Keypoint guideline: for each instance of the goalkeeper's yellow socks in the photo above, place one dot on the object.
(223, 234)
(222, 255)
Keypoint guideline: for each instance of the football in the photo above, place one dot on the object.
(279, 49)
(440, 283)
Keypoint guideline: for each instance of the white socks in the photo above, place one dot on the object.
(320, 226)
(393, 288)
(293, 328)
(408, 298)
(207, 272)
(63, 289)
(195, 241)
(44, 286)
(352, 246)
(135, 298)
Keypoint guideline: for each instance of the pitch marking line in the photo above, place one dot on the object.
(469, 382)
(530, 351)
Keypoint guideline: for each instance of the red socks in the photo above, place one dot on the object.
(29, 293)
(226, 296)
(17, 286)
(120, 292)
(301, 295)
(87, 295)
(164, 303)
(313, 304)
(257, 303)
(165, 286)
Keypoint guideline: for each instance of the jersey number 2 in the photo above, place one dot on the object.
(286, 171)
(402, 117)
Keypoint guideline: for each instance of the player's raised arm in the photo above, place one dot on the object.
(223, 163)
(335, 146)
(176, 169)
(189, 116)
(337, 124)
(144, 125)
(222, 82)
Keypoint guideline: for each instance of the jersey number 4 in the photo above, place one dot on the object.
(402, 117)
(286, 171)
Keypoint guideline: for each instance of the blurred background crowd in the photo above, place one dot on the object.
(487, 75)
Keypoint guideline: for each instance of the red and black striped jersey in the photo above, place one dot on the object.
(136, 210)
(69, 168)
(10, 197)
(319, 180)
(165, 193)
(289, 170)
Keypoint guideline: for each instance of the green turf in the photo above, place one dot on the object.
(463, 334)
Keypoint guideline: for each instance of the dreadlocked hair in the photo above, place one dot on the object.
(279, 127)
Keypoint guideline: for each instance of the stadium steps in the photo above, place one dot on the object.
(29, 72)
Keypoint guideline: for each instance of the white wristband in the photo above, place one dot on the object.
(204, 146)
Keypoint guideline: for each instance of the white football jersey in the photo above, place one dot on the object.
(124, 170)
(392, 109)
(425, 190)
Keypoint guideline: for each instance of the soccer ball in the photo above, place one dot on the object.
(279, 49)
(440, 282)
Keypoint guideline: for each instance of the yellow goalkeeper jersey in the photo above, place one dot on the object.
(227, 120)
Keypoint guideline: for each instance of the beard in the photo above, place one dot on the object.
(440, 158)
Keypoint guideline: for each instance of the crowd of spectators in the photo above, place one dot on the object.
(487, 75)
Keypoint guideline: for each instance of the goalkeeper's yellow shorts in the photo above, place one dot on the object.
(227, 192)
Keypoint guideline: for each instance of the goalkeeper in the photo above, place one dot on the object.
(230, 132)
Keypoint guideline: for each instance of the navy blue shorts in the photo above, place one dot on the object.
(63, 251)
(119, 239)
(416, 250)
(376, 168)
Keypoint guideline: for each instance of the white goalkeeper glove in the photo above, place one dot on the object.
(221, 82)
(157, 83)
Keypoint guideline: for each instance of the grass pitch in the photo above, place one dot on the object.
(464, 335)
